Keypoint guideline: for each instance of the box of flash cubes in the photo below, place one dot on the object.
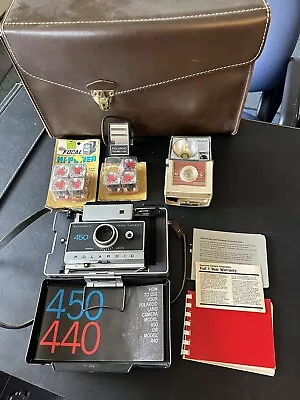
(74, 173)
(189, 172)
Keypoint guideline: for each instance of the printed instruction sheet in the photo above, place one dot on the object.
(229, 286)
(230, 248)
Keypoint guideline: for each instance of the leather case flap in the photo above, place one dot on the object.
(132, 44)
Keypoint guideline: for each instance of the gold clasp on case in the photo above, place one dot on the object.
(103, 98)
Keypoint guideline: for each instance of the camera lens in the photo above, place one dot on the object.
(105, 235)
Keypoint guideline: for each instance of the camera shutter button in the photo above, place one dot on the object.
(129, 235)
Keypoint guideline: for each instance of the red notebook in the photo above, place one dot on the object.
(235, 339)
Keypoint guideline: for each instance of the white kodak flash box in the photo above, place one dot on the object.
(189, 172)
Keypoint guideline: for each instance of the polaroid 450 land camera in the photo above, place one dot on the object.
(105, 305)
(109, 238)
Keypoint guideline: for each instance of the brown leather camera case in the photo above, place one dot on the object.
(169, 66)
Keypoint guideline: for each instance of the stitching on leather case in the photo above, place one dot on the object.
(153, 84)
(243, 100)
(34, 103)
(183, 17)
(183, 77)
(6, 15)
(34, 76)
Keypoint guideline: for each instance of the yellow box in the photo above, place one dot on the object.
(76, 152)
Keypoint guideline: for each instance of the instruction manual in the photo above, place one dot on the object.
(229, 287)
(230, 248)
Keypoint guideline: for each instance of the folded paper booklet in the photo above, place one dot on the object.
(230, 248)
(229, 287)
(228, 338)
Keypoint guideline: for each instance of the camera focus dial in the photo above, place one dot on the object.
(105, 236)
